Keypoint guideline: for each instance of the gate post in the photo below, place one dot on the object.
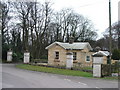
(9, 55)
(69, 62)
(97, 64)
(26, 57)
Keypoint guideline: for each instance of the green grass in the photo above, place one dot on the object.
(54, 70)
(61, 71)
(110, 78)
(88, 68)
(84, 68)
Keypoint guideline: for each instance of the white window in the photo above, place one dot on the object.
(87, 58)
(74, 56)
(56, 55)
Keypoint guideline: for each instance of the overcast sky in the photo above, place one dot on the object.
(95, 10)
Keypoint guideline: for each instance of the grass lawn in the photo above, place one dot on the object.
(88, 68)
(54, 70)
(110, 78)
(60, 71)
(84, 68)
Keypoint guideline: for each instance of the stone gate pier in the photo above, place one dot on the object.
(9, 55)
(26, 57)
(97, 64)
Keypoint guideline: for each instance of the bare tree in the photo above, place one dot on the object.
(115, 30)
(34, 26)
(4, 26)
(23, 10)
(5, 18)
(116, 33)
(75, 25)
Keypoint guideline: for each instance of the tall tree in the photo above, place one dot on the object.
(23, 10)
(4, 19)
(75, 25)
(116, 33)
(34, 26)
(115, 30)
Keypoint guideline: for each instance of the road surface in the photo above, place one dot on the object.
(13, 77)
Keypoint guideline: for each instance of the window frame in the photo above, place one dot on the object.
(57, 54)
(87, 58)
(74, 55)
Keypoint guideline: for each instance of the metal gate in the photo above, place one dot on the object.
(107, 69)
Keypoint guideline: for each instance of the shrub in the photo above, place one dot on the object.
(116, 54)
(17, 57)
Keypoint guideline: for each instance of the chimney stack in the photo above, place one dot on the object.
(71, 40)
(97, 49)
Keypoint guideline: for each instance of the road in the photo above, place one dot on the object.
(13, 77)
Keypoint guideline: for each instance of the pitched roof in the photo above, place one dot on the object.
(75, 45)
(106, 53)
(101, 53)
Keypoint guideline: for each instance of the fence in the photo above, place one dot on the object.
(107, 69)
(39, 60)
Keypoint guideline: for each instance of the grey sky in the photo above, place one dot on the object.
(96, 10)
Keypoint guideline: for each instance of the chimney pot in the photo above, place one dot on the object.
(71, 40)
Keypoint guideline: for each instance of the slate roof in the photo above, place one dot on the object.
(74, 46)
(101, 53)
(106, 52)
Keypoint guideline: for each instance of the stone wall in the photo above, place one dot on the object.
(51, 56)
(81, 56)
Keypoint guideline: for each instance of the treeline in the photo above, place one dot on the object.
(33, 25)
(104, 42)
